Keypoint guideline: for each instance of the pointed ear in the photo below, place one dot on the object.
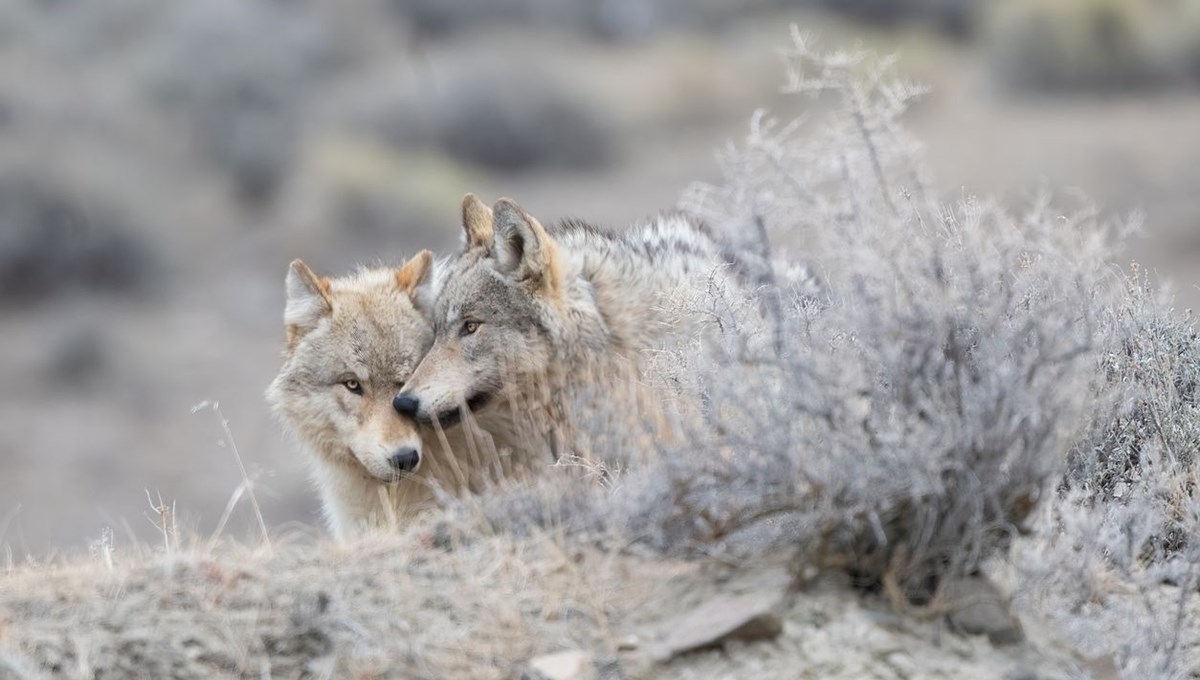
(522, 247)
(308, 300)
(416, 278)
(477, 223)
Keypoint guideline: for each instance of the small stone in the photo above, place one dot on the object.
(568, 665)
(628, 643)
(751, 616)
(1102, 668)
(980, 609)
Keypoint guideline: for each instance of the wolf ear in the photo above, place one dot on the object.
(308, 300)
(477, 223)
(521, 246)
(415, 278)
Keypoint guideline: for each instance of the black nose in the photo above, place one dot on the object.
(406, 404)
(405, 460)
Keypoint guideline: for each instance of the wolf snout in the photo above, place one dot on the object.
(405, 460)
(406, 404)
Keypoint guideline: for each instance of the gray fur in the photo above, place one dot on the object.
(558, 311)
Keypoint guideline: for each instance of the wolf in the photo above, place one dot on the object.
(531, 320)
(352, 343)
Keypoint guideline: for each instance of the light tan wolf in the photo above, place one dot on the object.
(531, 321)
(352, 342)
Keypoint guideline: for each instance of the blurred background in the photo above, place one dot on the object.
(162, 162)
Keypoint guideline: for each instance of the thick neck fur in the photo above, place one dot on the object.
(620, 290)
(622, 294)
(565, 324)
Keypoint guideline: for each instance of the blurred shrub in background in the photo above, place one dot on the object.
(609, 20)
(437, 19)
(1094, 44)
(246, 85)
(500, 120)
(953, 17)
(239, 76)
(56, 239)
(625, 20)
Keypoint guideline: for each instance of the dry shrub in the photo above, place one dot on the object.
(910, 412)
(954, 17)
(59, 238)
(240, 98)
(611, 20)
(1115, 559)
(499, 118)
(1090, 45)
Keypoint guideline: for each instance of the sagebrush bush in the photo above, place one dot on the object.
(914, 409)
(1115, 559)
(958, 377)
(1151, 381)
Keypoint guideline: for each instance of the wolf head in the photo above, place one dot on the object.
(352, 342)
(494, 320)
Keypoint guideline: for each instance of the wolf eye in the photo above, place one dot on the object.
(469, 328)
(353, 385)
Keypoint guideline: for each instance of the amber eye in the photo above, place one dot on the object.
(469, 328)
(353, 385)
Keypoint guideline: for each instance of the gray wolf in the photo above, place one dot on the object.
(352, 343)
(530, 321)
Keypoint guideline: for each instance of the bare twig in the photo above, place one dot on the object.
(247, 483)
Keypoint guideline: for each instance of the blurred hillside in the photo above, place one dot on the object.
(160, 163)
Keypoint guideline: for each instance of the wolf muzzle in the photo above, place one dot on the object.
(405, 460)
(406, 404)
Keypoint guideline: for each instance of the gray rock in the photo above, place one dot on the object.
(980, 609)
(1102, 668)
(750, 616)
(567, 665)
